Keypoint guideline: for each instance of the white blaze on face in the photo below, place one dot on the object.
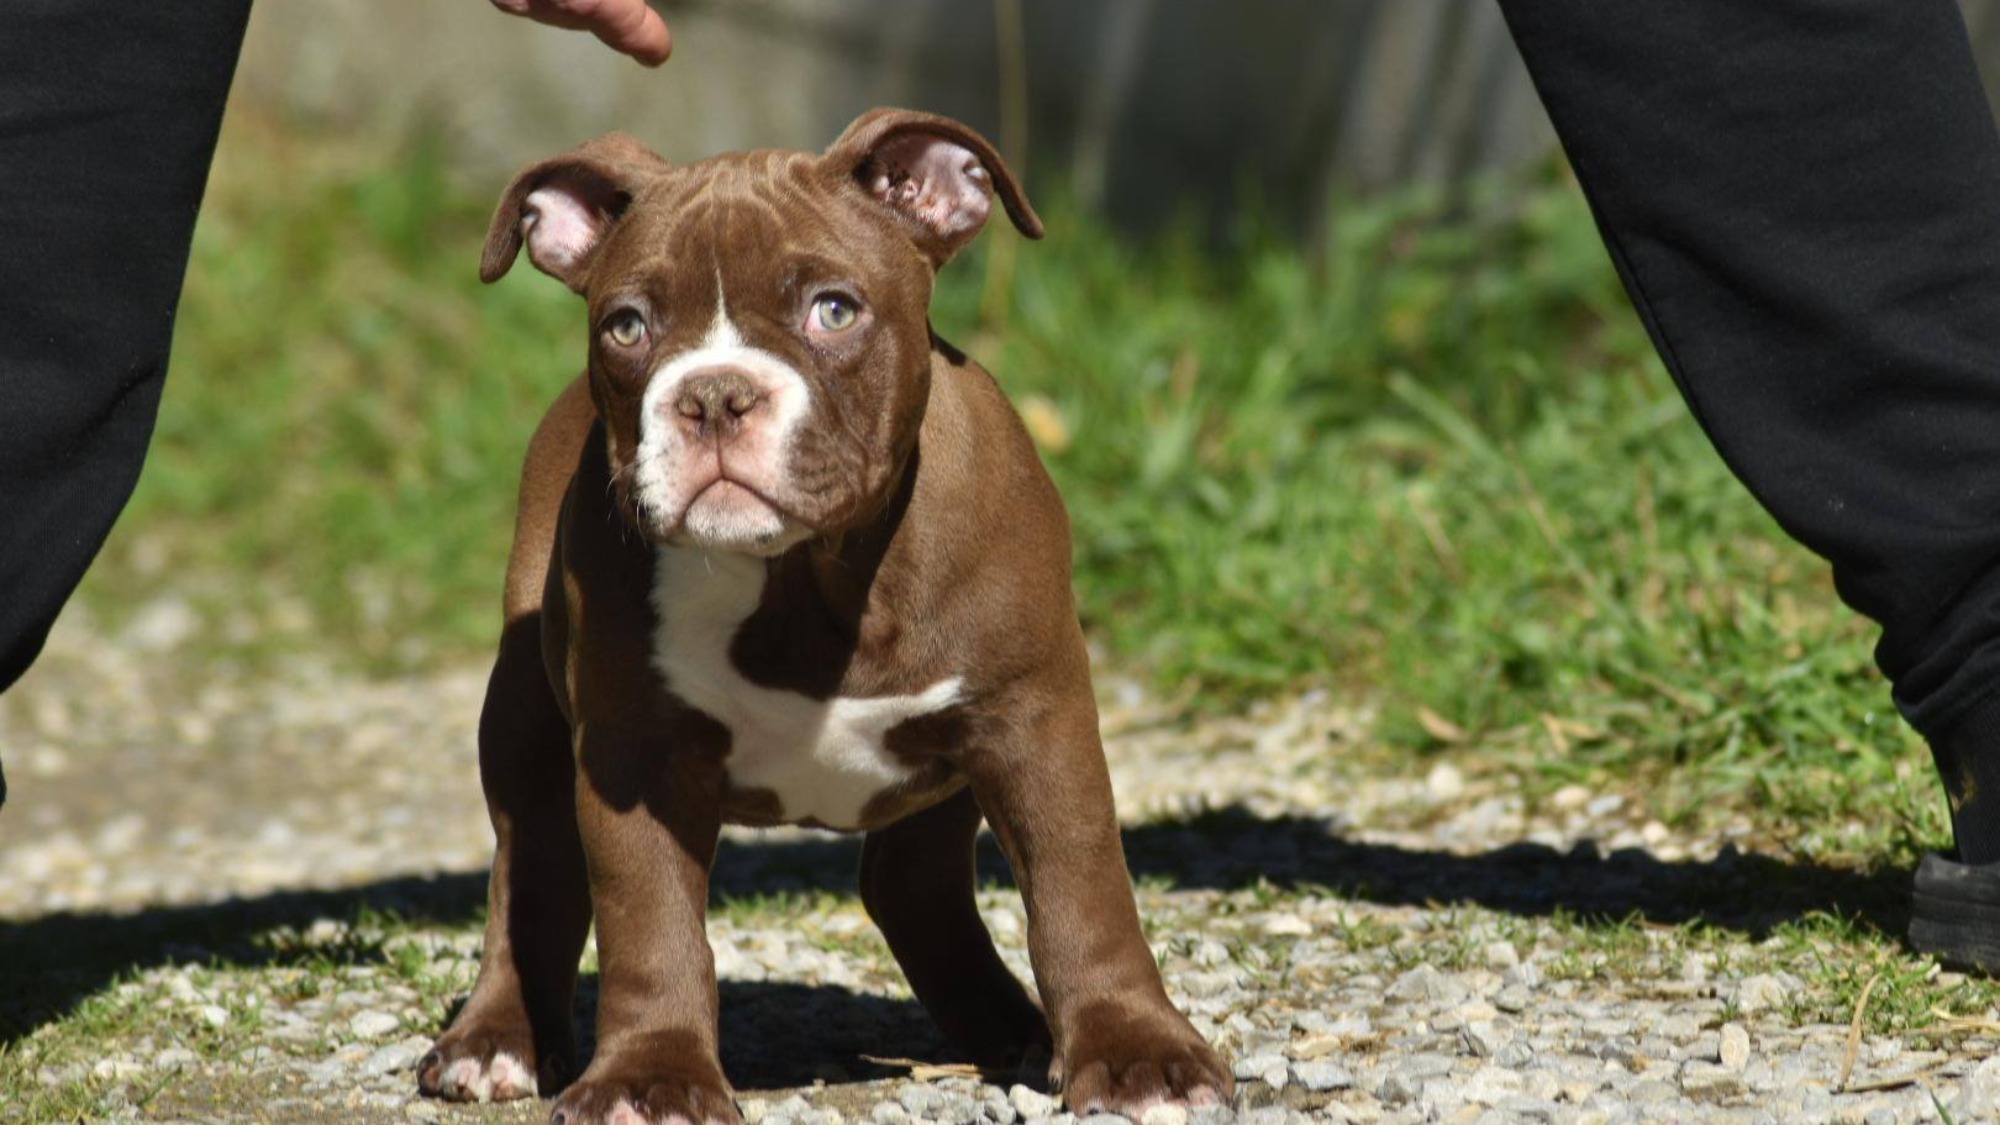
(821, 758)
(712, 492)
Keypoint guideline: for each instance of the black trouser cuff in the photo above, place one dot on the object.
(1968, 759)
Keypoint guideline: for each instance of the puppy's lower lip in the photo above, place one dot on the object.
(722, 488)
(725, 494)
(726, 489)
(736, 491)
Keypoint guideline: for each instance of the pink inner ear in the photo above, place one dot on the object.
(559, 228)
(938, 183)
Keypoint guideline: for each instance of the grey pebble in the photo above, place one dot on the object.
(1426, 984)
(396, 1057)
(1734, 1049)
(1031, 1104)
(1759, 993)
(1320, 1076)
(1709, 1081)
(1679, 1026)
(1527, 1109)
(958, 1110)
(1423, 1065)
(1269, 1069)
(1399, 1089)
(920, 1100)
(1440, 1096)
(373, 1024)
(1979, 1093)
(1485, 1038)
(1650, 1091)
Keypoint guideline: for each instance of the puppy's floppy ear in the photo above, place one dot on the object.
(561, 207)
(935, 174)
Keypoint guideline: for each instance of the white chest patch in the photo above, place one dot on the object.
(822, 759)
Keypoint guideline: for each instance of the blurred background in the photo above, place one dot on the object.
(1138, 110)
(1322, 348)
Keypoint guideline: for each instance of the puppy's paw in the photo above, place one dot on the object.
(659, 1095)
(477, 1066)
(1126, 1062)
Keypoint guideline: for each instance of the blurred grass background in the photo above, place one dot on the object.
(1430, 465)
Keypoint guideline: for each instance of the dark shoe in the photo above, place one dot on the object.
(1955, 913)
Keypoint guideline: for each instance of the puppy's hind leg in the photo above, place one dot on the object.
(917, 883)
(514, 1037)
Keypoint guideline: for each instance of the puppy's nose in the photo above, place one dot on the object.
(716, 402)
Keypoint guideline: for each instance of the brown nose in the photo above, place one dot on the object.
(714, 403)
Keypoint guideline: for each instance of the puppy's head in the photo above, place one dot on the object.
(759, 322)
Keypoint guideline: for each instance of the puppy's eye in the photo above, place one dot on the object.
(834, 313)
(625, 328)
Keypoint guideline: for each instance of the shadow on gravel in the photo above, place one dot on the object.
(786, 1033)
(1746, 892)
(1232, 848)
(50, 964)
(776, 1034)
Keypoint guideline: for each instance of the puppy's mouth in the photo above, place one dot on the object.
(728, 514)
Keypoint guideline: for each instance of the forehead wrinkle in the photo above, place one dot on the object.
(672, 218)
(674, 229)
(744, 224)
(724, 224)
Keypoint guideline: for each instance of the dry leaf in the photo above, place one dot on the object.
(1045, 423)
(1557, 738)
(1315, 1046)
(928, 1072)
(1439, 727)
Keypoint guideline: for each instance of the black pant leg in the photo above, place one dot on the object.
(1803, 200)
(108, 116)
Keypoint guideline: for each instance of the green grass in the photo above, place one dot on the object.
(1449, 475)
(1432, 465)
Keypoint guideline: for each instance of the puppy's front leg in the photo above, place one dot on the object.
(1121, 1046)
(649, 815)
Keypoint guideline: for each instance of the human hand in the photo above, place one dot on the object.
(628, 26)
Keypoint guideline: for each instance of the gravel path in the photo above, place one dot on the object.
(232, 893)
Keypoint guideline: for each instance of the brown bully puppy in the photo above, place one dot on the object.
(785, 557)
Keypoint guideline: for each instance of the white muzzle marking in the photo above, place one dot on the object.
(672, 470)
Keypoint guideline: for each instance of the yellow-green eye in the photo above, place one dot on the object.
(626, 328)
(834, 313)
